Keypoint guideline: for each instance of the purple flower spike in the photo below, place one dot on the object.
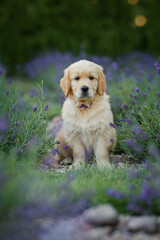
(111, 140)
(157, 65)
(16, 123)
(144, 94)
(137, 90)
(46, 107)
(133, 102)
(115, 66)
(55, 151)
(135, 97)
(113, 125)
(139, 108)
(158, 94)
(35, 109)
(65, 147)
(12, 136)
(125, 105)
(7, 93)
(111, 192)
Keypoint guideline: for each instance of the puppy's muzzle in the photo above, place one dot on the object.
(84, 90)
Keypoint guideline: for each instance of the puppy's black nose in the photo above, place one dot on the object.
(84, 89)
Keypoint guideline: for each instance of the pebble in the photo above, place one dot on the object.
(103, 214)
(147, 224)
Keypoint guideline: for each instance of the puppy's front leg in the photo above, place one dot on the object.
(78, 154)
(102, 153)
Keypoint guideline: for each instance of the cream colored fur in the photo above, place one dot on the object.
(86, 119)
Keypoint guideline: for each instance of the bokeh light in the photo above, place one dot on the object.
(133, 2)
(140, 20)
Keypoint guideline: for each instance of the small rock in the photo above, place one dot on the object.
(103, 214)
(115, 158)
(50, 161)
(95, 234)
(144, 236)
(143, 223)
(118, 235)
(123, 220)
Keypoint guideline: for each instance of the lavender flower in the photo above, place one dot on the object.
(130, 95)
(16, 123)
(35, 109)
(133, 102)
(137, 90)
(139, 108)
(7, 93)
(111, 192)
(65, 147)
(33, 93)
(135, 97)
(144, 94)
(157, 65)
(133, 207)
(111, 140)
(116, 194)
(46, 107)
(109, 76)
(113, 125)
(128, 120)
(55, 151)
(136, 130)
(115, 66)
(134, 145)
(58, 142)
(125, 105)
(12, 136)
(14, 108)
(158, 94)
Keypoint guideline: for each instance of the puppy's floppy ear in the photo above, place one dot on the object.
(101, 82)
(65, 83)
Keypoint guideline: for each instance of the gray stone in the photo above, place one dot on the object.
(103, 214)
(144, 236)
(143, 223)
(122, 223)
(98, 233)
(118, 235)
(65, 230)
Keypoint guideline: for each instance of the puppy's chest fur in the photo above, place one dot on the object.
(85, 123)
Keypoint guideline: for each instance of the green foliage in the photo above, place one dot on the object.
(138, 123)
(23, 126)
(98, 27)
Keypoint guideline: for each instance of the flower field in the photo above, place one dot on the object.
(27, 104)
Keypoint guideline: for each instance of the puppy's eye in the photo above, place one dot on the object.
(91, 78)
(77, 78)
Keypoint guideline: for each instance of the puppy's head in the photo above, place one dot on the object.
(83, 80)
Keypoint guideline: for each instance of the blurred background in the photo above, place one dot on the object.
(97, 27)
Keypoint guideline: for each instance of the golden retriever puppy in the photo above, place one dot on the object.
(87, 116)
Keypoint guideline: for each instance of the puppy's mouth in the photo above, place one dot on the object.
(84, 96)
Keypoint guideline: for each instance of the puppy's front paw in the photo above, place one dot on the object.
(104, 165)
(78, 165)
